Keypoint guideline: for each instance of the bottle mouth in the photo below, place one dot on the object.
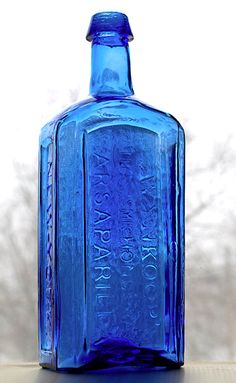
(109, 23)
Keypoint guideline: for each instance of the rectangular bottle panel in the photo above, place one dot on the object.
(125, 252)
(70, 247)
(46, 253)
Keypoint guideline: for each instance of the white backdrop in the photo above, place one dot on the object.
(183, 62)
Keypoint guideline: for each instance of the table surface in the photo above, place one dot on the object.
(190, 373)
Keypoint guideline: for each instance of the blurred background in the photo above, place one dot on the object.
(183, 62)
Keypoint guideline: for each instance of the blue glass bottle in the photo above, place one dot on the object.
(111, 223)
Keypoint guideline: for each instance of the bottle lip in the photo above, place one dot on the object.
(108, 23)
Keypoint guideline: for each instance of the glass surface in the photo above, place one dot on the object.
(111, 225)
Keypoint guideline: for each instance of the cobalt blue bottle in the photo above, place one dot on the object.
(111, 223)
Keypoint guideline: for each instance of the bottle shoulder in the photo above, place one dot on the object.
(91, 114)
(48, 130)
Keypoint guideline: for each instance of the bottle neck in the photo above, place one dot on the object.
(111, 76)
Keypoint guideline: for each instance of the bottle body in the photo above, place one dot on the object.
(111, 237)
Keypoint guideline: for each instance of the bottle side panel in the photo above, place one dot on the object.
(46, 253)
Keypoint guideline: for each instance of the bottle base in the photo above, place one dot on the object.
(111, 358)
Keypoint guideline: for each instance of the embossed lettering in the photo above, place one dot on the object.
(101, 197)
(149, 252)
(102, 238)
(101, 216)
(49, 248)
(104, 272)
(105, 235)
(101, 252)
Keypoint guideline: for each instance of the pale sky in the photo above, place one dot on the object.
(183, 62)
